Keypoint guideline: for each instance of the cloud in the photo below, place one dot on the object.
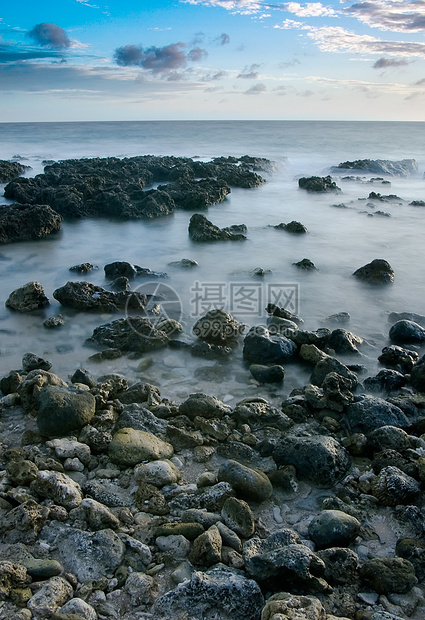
(244, 7)
(384, 63)
(394, 15)
(155, 59)
(290, 24)
(8, 53)
(249, 73)
(420, 82)
(50, 35)
(336, 39)
(196, 54)
(224, 39)
(311, 9)
(257, 89)
(289, 63)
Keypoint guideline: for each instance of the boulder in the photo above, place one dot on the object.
(331, 365)
(386, 575)
(201, 229)
(64, 409)
(10, 170)
(219, 592)
(398, 358)
(262, 348)
(130, 447)
(134, 333)
(417, 375)
(267, 374)
(27, 222)
(407, 332)
(379, 271)
(318, 184)
(248, 483)
(87, 296)
(343, 341)
(403, 168)
(392, 487)
(284, 605)
(58, 487)
(333, 528)
(218, 327)
(370, 412)
(318, 459)
(386, 380)
(27, 298)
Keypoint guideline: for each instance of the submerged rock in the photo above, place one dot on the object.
(318, 184)
(260, 347)
(27, 222)
(379, 271)
(201, 229)
(10, 170)
(27, 298)
(218, 327)
(87, 296)
(403, 168)
(136, 333)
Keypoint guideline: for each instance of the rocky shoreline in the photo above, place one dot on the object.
(117, 501)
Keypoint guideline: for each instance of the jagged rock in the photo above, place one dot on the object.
(293, 227)
(318, 184)
(27, 298)
(342, 341)
(403, 168)
(331, 364)
(379, 271)
(413, 549)
(238, 516)
(386, 380)
(201, 229)
(31, 361)
(370, 412)
(306, 264)
(318, 459)
(392, 487)
(27, 222)
(87, 296)
(399, 358)
(10, 170)
(52, 594)
(136, 333)
(139, 418)
(23, 523)
(218, 327)
(296, 607)
(58, 487)
(206, 550)
(83, 268)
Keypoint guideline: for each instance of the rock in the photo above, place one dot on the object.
(221, 591)
(386, 380)
(64, 409)
(130, 447)
(318, 184)
(206, 549)
(296, 607)
(11, 382)
(317, 459)
(21, 472)
(87, 296)
(248, 483)
(134, 333)
(12, 575)
(238, 516)
(413, 550)
(31, 361)
(398, 358)
(379, 271)
(98, 516)
(333, 528)
(23, 523)
(403, 168)
(392, 487)
(139, 418)
(218, 327)
(40, 570)
(337, 393)
(386, 575)
(119, 269)
(202, 230)
(342, 341)
(282, 558)
(306, 264)
(267, 374)
(140, 587)
(90, 555)
(189, 530)
(417, 375)
(262, 348)
(51, 595)
(58, 487)
(388, 438)
(341, 565)
(27, 298)
(158, 473)
(293, 227)
(108, 493)
(185, 263)
(339, 317)
(199, 404)
(10, 170)
(83, 268)
(370, 412)
(81, 375)
(79, 608)
(175, 545)
(27, 222)
(54, 321)
(405, 332)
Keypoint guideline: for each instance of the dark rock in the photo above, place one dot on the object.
(306, 264)
(283, 313)
(262, 348)
(220, 592)
(317, 459)
(195, 195)
(83, 268)
(392, 487)
(27, 298)
(342, 341)
(386, 575)
(200, 404)
(81, 375)
(398, 358)
(293, 227)
(403, 168)
(318, 184)
(201, 229)
(333, 528)
(369, 413)
(258, 413)
(138, 417)
(238, 516)
(218, 327)
(54, 321)
(11, 382)
(119, 269)
(339, 317)
(136, 334)
(331, 364)
(341, 565)
(404, 332)
(27, 222)
(386, 380)
(31, 361)
(10, 170)
(413, 550)
(379, 271)
(87, 296)
(249, 484)
(417, 375)
(206, 550)
(63, 410)
(267, 374)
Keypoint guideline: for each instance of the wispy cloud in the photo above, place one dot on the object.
(245, 7)
(394, 15)
(223, 39)
(257, 89)
(250, 72)
(385, 63)
(311, 9)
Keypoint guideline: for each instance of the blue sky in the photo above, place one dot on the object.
(71, 60)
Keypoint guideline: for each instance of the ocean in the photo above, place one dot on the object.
(339, 241)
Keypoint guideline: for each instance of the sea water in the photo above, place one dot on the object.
(339, 240)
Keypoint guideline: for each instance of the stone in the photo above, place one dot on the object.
(220, 592)
(64, 409)
(343, 341)
(292, 227)
(27, 222)
(413, 549)
(189, 530)
(42, 569)
(296, 607)
(176, 545)
(386, 380)
(398, 358)
(379, 271)
(12, 575)
(386, 575)
(318, 184)
(51, 595)
(11, 169)
(267, 374)
(203, 405)
(69, 448)
(158, 473)
(402, 168)
(330, 364)
(31, 361)
(202, 230)
(407, 332)
(248, 483)
(134, 333)
(79, 608)
(98, 516)
(140, 588)
(392, 487)
(83, 268)
(238, 516)
(368, 413)
(318, 459)
(218, 327)
(54, 321)
(130, 447)
(89, 555)
(306, 264)
(23, 523)
(260, 347)
(341, 565)
(140, 418)
(333, 528)
(21, 472)
(58, 487)
(206, 550)
(87, 296)
(27, 298)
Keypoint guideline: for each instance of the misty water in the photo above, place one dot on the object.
(339, 241)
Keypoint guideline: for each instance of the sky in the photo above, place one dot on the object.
(84, 60)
